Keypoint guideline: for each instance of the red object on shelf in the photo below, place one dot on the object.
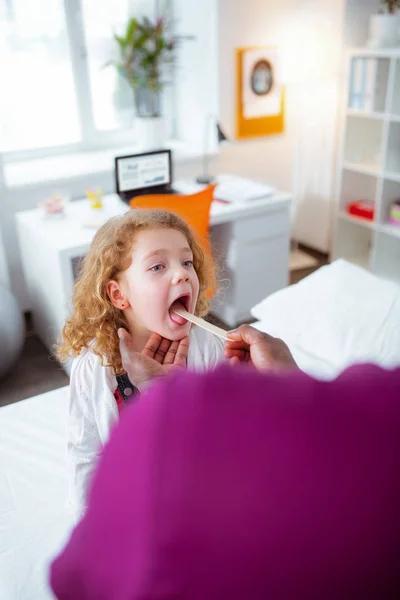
(362, 208)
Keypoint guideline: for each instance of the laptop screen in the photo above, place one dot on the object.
(139, 171)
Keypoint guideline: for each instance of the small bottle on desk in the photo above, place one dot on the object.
(95, 197)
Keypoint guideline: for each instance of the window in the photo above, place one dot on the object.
(56, 91)
(115, 108)
(37, 101)
(57, 95)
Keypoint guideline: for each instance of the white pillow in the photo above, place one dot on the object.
(341, 314)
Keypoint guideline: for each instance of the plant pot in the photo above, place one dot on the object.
(384, 31)
(122, 94)
(147, 102)
(123, 102)
(150, 132)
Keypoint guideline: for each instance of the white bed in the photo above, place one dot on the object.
(34, 520)
(337, 316)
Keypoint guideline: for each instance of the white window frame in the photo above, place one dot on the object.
(91, 138)
(199, 20)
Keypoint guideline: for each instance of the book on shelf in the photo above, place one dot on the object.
(363, 84)
(394, 215)
(364, 209)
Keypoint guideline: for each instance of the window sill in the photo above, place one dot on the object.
(34, 172)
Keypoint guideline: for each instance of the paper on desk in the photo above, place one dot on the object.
(202, 323)
(237, 190)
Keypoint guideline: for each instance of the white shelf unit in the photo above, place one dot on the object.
(369, 161)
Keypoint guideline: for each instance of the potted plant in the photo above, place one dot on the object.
(147, 52)
(384, 28)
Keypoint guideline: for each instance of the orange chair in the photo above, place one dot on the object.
(193, 208)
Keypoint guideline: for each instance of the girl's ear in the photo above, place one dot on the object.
(116, 295)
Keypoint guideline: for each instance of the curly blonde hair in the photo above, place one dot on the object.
(95, 320)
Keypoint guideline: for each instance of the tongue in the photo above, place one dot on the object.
(174, 316)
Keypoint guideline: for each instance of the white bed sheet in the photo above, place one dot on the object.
(34, 520)
(312, 365)
(341, 314)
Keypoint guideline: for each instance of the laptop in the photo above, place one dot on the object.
(144, 173)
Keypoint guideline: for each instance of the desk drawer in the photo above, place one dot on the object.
(261, 227)
(260, 270)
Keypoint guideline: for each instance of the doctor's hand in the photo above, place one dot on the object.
(157, 359)
(266, 353)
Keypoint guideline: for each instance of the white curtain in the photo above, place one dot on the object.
(313, 72)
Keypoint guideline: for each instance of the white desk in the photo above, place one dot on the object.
(251, 243)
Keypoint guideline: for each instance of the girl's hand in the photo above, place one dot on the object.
(157, 358)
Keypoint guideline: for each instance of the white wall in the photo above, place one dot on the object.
(4, 277)
(196, 88)
(309, 34)
(357, 21)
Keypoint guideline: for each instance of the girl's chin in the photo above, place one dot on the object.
(170, 330)
(177, 337)
(179, 332)
(176, 332)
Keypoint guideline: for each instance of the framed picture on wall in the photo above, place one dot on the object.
(260, 94)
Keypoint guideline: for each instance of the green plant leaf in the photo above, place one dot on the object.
(130, 31)
(147, 48)
(120, 40)
(392, 5)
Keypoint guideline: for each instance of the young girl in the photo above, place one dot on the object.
(139, 267)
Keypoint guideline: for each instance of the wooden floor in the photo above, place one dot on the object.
(322, 259)
(37, 372)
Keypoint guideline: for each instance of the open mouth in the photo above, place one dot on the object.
(182, 301)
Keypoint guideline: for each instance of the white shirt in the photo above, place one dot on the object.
(93, 408)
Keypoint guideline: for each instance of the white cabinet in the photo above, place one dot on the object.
(252, 257)
(369, 161)
(251, 244)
